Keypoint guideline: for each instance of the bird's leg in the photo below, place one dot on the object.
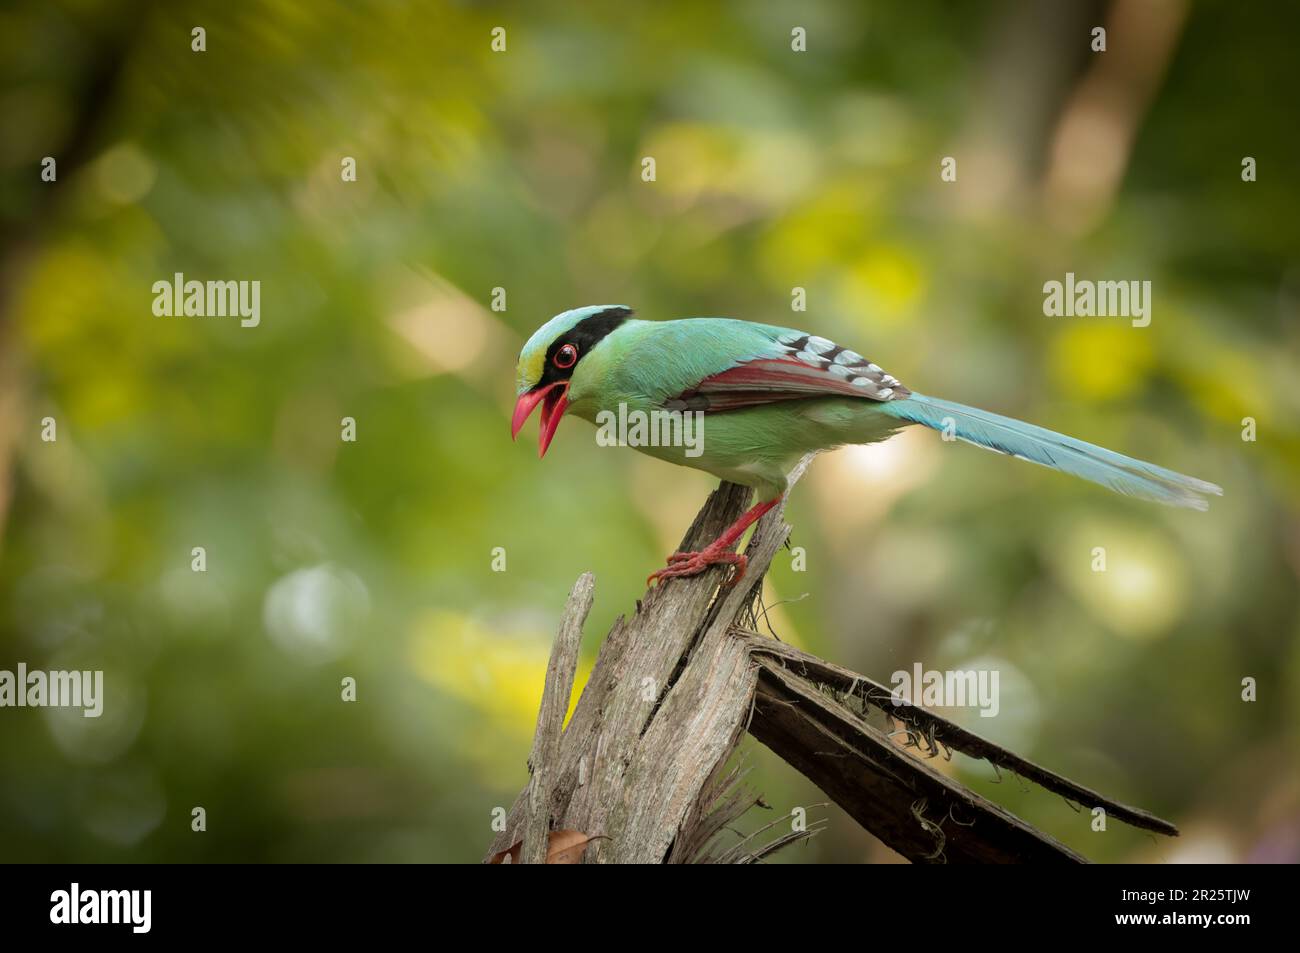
(718, 551)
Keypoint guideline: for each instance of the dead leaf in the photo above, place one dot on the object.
(567, 847)
(508, 856)
(562, 847)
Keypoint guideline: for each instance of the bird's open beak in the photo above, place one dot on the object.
(554, 399)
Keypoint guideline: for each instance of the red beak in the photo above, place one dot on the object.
(554, 399)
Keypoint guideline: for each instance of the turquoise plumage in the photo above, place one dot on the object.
(1122, 474)
(768, 395)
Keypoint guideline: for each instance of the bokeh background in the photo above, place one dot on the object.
(521, 170)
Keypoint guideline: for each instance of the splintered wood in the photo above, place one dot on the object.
(639, 774)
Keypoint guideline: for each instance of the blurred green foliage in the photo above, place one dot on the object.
(521, 170)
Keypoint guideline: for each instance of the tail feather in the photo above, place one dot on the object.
(1050, 449)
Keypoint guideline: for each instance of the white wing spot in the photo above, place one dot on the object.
(844, 365)
(820, 345)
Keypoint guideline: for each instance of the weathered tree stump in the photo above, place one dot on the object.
(642, 763)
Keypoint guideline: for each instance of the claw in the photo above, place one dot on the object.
(719, 551)
(692, 564)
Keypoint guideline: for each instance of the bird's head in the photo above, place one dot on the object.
(550, 362)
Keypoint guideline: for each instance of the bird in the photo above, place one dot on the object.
(765, 396)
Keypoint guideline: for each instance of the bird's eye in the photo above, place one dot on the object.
(566, 356)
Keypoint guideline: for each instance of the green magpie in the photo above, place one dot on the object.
(769, 395)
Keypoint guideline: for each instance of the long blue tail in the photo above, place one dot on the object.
(1039, 445)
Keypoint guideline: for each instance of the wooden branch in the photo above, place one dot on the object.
(701, 719)
(643, 763)
(664, 705)
(925, 816)
(937, 729)
(550, 719)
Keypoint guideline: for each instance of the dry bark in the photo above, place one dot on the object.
(643, 760)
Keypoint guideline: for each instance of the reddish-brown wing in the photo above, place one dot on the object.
(811, 367)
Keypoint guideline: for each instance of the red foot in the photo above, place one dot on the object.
(692, 564)
(718, 551)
